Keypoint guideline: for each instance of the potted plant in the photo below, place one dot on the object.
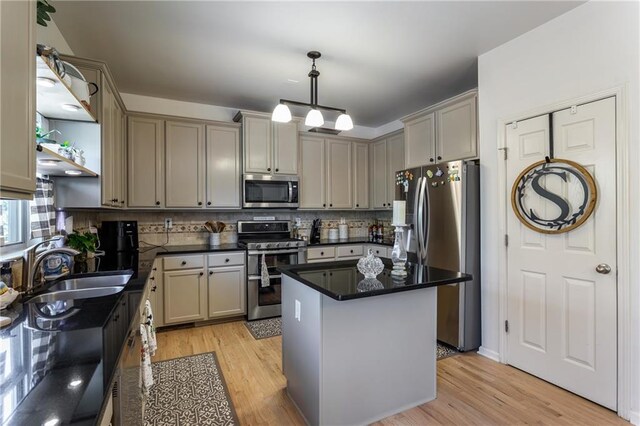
(85, 243)
(42, 138)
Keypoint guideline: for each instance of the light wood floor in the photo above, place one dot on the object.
(471, 389)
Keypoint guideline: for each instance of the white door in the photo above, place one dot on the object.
(257, 144)
(312, 181)
(561, 312)
(285, 148)
(339, 186)
(184, 169)
(223, 167)
(379, 184)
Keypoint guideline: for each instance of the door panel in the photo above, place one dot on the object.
(361, 175)
(145, 159)
(223, 167)
(420, 141)
(226, 291)
(379, 183)
(339, 188)
(184, 164)
(395, 162)
(185, 296)
(561, 312)
(285, 148)
(456, 131)
(312, 181)
(257, 144)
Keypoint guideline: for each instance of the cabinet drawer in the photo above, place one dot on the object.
(350, 251)
(183, 262)
(380, 251)
(321, 253)
(226, 259)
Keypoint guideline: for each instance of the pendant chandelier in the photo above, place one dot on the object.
(314, 118)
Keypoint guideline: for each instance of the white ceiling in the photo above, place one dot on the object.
(380, 60)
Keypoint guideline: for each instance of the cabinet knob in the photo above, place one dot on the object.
(384, 204)
(122, 202)
(330, 205)
(439, 158)
(351, 251)
(324, 205)
(152, 278)
(199, 203)
(208, 203)
(357, 205)
(201, 273)
(210, 272)
(321, 253)
(277, 170)
(157, 203)
(226, 261)
(154, 288)
(269, 169)
(184, 262)
(154, 269)
(431, 160)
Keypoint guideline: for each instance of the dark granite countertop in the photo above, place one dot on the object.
(356, 240)
(72, 348)
(342, 281)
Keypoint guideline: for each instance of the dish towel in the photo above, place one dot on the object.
(264, 273)
(151, 329)
(146, 376)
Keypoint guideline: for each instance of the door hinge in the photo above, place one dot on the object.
(574, 109)
(506, 240)
(514, 125)
(506, 326)
(504, 152)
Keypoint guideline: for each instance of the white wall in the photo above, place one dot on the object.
(589, 49)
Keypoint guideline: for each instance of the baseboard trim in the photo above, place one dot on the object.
(489, 353)
(634, 417)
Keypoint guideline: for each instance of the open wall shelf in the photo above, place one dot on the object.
(53, 164)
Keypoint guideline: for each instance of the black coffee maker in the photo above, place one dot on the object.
(315, 230)
(119, 240)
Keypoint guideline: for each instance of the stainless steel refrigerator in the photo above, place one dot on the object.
(443, 209)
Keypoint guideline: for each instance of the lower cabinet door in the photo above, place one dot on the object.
(185, 296)
(227, 290)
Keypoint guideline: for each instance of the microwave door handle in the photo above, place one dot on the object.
(290, 184)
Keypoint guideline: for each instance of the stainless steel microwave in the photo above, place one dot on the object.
(269, 191)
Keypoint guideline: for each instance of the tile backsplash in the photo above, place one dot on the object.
(188, 227)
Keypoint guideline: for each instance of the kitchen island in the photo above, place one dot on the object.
(353, 350)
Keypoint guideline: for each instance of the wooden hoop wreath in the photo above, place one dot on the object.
(590, 203)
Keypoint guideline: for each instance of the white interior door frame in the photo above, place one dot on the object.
(623, 220)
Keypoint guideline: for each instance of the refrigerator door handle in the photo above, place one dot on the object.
(416, 217)
(428, 222)
(420, 218)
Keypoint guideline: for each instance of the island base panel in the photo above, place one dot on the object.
(372, 357)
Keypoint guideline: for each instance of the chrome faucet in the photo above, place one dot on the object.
(31, 261)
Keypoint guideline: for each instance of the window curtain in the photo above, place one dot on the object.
(43, 215)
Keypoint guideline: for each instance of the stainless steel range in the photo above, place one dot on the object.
(268, 243)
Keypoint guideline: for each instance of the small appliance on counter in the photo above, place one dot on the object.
(315, 230)
(119, 240)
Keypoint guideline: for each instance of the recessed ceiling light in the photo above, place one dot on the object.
(70, 107)
(48, 162)
(45, 82)
(75, 383)
(73, 172)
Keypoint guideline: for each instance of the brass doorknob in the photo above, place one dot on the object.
(603, 268)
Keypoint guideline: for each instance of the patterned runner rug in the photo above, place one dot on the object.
(189, 391)
(261, 329)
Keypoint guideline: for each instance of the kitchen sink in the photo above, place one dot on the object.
(92, 282)
(84, 293)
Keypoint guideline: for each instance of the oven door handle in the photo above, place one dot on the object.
(258, 277)
(261, 252)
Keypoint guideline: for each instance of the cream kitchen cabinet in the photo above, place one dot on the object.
(386, 158)
(329, 253)
(112, 148)
(154, 293)
(18, 104)
(312, 177)
(457, 131)
(184, 164)
(227, 291)
(443, 132)
(339, 174)
(223, 164)
(145, 159)
(185, 295)
(360, 175)
(269, 147)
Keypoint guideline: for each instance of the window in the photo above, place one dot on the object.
(15, 229)
(12, 222)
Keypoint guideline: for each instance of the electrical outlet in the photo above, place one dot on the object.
(168, 223)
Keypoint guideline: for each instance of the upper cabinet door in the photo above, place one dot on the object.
(361, 175)
(395, 162)
(312, 180)
(457, 131)
(285, 148)
(118, 168)
(379, 184)
(108, 144)
(184, 159)
(420, 141)
(256, 133)
(223, 167)
(339, 183)
(145, 144)
(18, 108)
